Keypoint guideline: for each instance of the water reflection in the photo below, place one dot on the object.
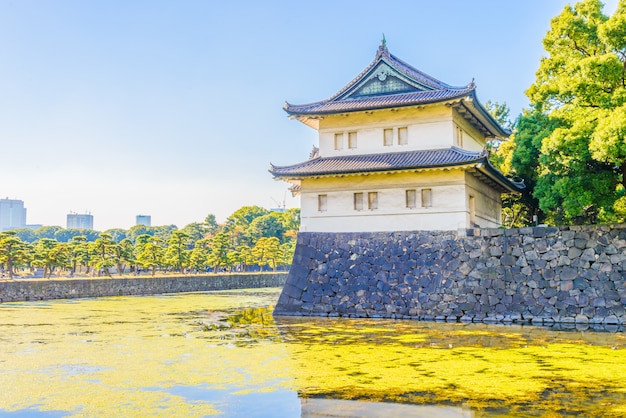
(223, 353)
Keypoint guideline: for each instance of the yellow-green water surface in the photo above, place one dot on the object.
(203, 354)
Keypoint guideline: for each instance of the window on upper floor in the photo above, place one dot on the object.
(338, 141)
(388, 137)
(403, 136)
(352, 140)
(372, 200)
(458, 140)
(427, 198)
(411, 199)
(358, 201)
(322, 202)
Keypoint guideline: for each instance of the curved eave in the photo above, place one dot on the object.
(324, 108)
(366, 171)
(476, 114)
(480, 168)
(487, 173)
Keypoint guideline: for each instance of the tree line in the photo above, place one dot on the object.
(569, 145)
(251, 238)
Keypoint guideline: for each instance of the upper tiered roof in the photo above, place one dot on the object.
(389, 82)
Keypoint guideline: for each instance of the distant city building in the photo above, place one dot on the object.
(80, 221)
(145, 220)
(12, 214)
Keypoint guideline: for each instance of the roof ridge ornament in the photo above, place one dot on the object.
(382, 49)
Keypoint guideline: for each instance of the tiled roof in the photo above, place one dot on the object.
(402, 67)
(397, 161)
(389, 82)
(379, 102)
(378, 162)
(426, 89)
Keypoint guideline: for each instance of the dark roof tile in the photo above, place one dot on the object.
(378, 162)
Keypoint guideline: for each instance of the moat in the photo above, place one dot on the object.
(223, 353)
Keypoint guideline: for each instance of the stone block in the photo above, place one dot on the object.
(588, 254)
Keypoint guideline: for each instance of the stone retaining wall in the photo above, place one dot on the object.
(42, 289)
(528, 275)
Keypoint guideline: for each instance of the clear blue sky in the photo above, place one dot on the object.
(174, 108)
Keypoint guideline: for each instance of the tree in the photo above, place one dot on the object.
(65, 235)
(195, 231)
(50, 254)
(26, 234)
(138, 230)
(164, 232)
(218, 256)
(150, 252)
(47, 231)
(286, 252)
(78, 250)
(199, 257)
(244, 216)
(124, 255)
(12, 251)
(176, 254)
(519, 158)
(269, 225)
(291, 220)
(117, 234)
(210, 224)
(267, 252)
(106, 253)
(581, 89)
(500, 112)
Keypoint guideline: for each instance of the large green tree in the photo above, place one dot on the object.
(581, 89)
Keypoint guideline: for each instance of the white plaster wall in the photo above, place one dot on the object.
(448, 210)
(488, 203)
(472, 139)
(428, 128)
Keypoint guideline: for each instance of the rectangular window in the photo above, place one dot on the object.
(358, 201)
(459, 137)
(372, 200)
(403, 136)
(322, 201)
(338, 141)
(352, 140)
(388, 140)
(427, 198)
(411, 199)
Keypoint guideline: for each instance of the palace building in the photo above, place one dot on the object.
(398, 151)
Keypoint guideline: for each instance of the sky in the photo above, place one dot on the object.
(173, 109)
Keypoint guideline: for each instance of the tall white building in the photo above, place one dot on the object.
(80, 221)
(143, 220)
(12, 214)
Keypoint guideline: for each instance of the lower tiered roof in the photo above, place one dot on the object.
(475, 162)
